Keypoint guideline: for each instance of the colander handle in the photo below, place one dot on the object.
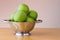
(6, 20)
(38, 21)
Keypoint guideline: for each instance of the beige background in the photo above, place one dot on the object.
(48, 11)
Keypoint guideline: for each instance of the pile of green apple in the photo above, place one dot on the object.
(23, 14)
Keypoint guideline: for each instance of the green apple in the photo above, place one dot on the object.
(33, 14)
(20, 16)
(23, 7)
(29, 19)
(12, 16)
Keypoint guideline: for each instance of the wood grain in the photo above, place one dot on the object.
(36, 34)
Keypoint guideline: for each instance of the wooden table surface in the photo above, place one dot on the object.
(36, 34)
